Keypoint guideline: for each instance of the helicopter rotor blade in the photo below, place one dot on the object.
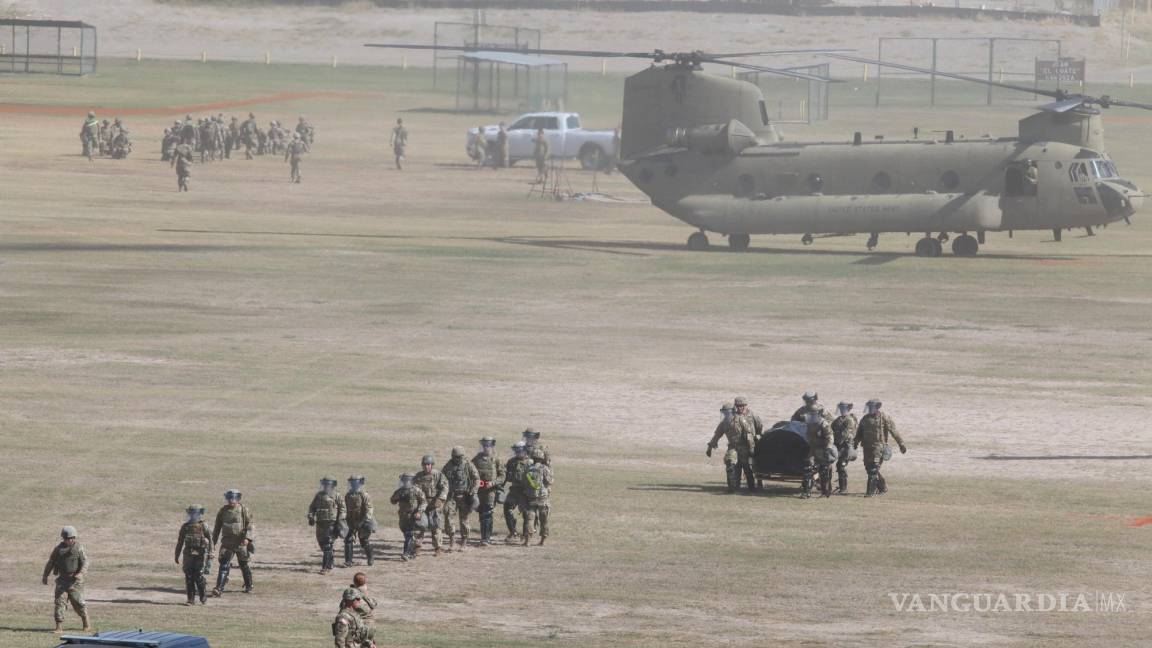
(777, 53)
(767, 70)
(1059, 95)
(1109, 101)
(1064, 105)
(514, 50)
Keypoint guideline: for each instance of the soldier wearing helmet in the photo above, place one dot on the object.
(532, 442)
(233, 534)
(821, 454)
(90, 135)
(811, 404)
(536, 506)
(361, 519)
(410, 504)
(348, 629)
(463, 488)
(194, 545)
(490, 471)
(736, 458)
(326, 513)
(513, 484)
(747, 429)
(843, 431)
(873, 432)
(70, 564)
(435, 488)
(294, 153)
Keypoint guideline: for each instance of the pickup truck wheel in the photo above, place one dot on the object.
(592, 158)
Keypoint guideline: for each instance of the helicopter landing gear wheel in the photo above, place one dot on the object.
(698, 242)
(806, 239)
(928, 247)
(739, 242)
(965, 245)
(873, 241)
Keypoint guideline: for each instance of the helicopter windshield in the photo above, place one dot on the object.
(1104, 169)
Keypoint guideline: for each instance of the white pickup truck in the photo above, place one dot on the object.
(566, 139)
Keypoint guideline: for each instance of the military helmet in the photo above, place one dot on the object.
(726, 407)
(232, 494)
(405, 476)
(356, 478)
(538, 455)
(91, 114)
(428, 460)
(457, 452)
(740, 401)
(68, 532)
(529, 433)
(519, 446)
(488, 441)
(810, 397)
(194, 508)
(327, 479)
(844, 407)
(351, 594)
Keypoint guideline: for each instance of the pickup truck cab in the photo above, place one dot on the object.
(567, 139)
(133, 639)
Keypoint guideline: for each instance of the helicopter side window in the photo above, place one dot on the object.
(1078, 172)
(815, 183)
(881, 182)
(1103, 169)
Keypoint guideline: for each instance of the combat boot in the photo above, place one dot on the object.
(367, 555)
(542, 538)
(512, 538)
(84, 619)
(451, 540)
(842, 478)
(59, 629)
(881, 485)
(439, 552)
(463, 542)
(527, 539)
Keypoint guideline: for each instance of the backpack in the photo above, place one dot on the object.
(534, 485)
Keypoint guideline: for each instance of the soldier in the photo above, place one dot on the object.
(326, 513)
(514, 471)
(165, 143)
(121, 145)
(233, 534)
(614, 156)
(90, 135)
(348, 630)
(811, 404)
(294, 153)
(748, 429)
(435, 488)
(361, 519)
(536, 486)
(463, 486)
(821, 454)
(368, 610)
(104, 136)
(843, 431)
(306, 132)
(736, 459)
(532, 443)
(491, 472)
(1031, 177)
(480, 142)
(182, 161)
(69, 562)
(232, 140)
(873, 432)
(410, 502)
(500, 160)
(540, 154)
(195, 544)
(248, 132)
(399, 142)
(188, 131)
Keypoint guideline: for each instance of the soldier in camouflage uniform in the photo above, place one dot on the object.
(194, 544)
(821, 454)
(537, 486)
(435, 487)
(232, 138)
(326, 513)
(361, 519)
(533, 445)
(399, 143)
(843, 431)
(410, 502)
(463, 487)
(248, 135)
(734, 459)
(233, 534)
(348, 630)
(500, 160)
(873, 432)
(69, 563)
(90, 135)
(513, 484)
(182, 162)
(747, 428)
(811, 404)
(491, 473)
(294, 153)
(368, 610)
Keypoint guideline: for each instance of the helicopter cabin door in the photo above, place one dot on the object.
(1020, 204)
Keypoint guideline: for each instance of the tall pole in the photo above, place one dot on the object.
(991, 64)
(933, 83)
(879, 68)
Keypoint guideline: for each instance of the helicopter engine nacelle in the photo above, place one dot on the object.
(713, 139)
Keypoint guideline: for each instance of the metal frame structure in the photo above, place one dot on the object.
(482, 76)
(935, 40)
(34, 59)
(814, 108)
(479, 35)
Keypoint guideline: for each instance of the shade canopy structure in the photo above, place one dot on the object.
(67, 47)
(499, 81)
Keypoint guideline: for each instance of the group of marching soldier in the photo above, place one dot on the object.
(832, 442)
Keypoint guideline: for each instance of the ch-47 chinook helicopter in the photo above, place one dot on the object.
(702, 148)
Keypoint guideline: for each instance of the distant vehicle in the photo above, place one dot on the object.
(133, 639)
(566, 138)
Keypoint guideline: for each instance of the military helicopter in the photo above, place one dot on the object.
(702, 148)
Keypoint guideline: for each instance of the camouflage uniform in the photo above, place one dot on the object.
(843, 431)
(411, 502)
(801, 414)
(820, 439)
(481, 144)
(435, 488)
(540, 153)
(463, 486)
(233, 534)
(491, 473)
(747, 428)
(536, 485)
(90, 136)
(361, 521)
(873, 432)
(249, 135)
(182, 161)
(232, 140)
(326, 513)
(294, 153)
(514, 471)
(737, 460)
(348, 630)
(194, 545)
(399, 143)
(367, 611)
(69, 563)
(500, 160)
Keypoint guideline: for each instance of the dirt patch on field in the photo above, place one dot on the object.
(156, 111)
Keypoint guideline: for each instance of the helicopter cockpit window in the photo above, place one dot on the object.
(763, 112)
(881, 182)
(1078, 172)
(522, 124)
(1104, 169)
(815, 183)
(573, 121)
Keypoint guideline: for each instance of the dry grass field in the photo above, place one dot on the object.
(159, 347)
